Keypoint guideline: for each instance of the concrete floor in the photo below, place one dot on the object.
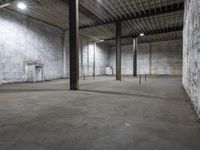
(104, 115)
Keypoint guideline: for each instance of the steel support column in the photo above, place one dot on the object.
(135, 57)
(118, 50)
(94, 60)
(74, 43)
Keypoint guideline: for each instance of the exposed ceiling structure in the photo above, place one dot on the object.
(159, 20)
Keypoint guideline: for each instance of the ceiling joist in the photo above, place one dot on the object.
(167, 30)
(142, 14)
(98, 17)
(4, 3)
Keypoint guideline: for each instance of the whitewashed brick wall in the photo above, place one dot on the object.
(23, 39)
(191, 51)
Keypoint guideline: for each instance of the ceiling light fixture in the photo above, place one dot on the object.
(141, 34)
(100, 41)
(21, 6)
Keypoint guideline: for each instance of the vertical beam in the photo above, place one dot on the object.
(118, 50)
(74, 43)
(135, 57)
(150, 59)
(81, 50)
(94, 60)
(88, 58)
(1, 68)
(65, 55)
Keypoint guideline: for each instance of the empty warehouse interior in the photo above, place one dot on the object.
(99, 74)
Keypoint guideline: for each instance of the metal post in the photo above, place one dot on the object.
(84, 76)
(81, 50)
(145, 76)
(94, 59)
(112, 71)
(135, 57)
(118, 50)
(88, 59)
(140, 79)
(74, 43)
(150, 59)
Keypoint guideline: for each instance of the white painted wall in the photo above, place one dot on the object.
(90, 55)
(1, 69)
(155, 58)
(166, 57)
(143, 59)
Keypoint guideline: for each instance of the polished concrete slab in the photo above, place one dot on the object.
(104, 115)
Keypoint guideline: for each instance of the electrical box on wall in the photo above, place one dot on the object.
(34, 71)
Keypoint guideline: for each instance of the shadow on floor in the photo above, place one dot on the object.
(30, 90)
(129, 94)
(86, 90)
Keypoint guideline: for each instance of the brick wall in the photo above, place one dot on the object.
(25, 40)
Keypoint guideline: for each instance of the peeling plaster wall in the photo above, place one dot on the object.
(26, 40)
(93, 58)
(191, 52)
(155, 58)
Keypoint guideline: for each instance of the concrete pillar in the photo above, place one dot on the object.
(135, 45)
(118, 50)
(74, 43)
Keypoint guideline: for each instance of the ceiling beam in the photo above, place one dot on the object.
(101, 7)
(34, 18)
(166, 30)
(87, 13)
(4, 3)
(142, 14)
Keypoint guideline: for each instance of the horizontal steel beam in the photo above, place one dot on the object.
(167, 30)
(142, 14)
(4, 3)
(87, 12)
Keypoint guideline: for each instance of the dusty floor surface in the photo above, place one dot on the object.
(104, 115)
